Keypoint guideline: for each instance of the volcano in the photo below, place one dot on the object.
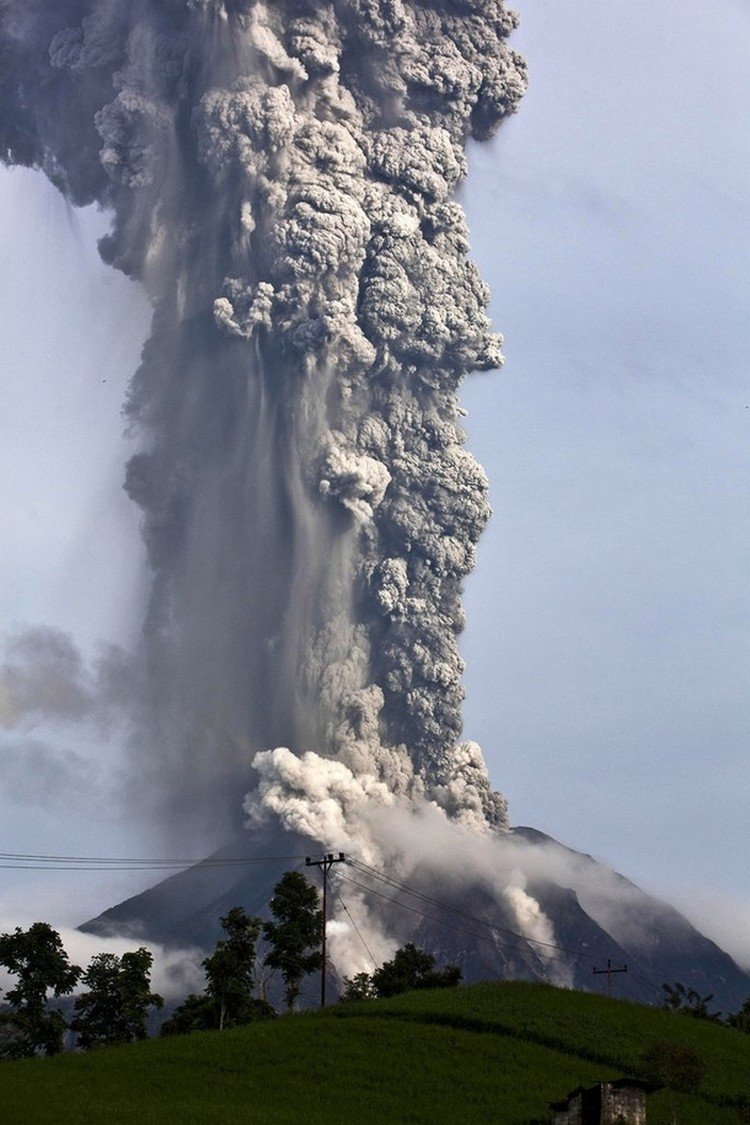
(598, 917)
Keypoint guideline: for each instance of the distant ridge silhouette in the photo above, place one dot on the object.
(656, 942)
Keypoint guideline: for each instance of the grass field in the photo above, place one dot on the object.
(495, 1053)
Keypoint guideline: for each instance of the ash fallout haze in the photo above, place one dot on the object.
(280, 180)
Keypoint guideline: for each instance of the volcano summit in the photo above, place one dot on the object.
(281, 180)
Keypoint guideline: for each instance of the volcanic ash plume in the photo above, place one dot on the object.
(280, 177)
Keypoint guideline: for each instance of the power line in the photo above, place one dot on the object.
(448, 925)
(31, 861)
(356, 927)
(38, 862)
(575, 954)
(456, 910)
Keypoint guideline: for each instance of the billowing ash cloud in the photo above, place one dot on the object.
(280, 176)
(418, 843)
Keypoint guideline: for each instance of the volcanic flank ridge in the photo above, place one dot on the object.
(595, 915)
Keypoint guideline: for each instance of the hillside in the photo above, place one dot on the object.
(495, 1052)
(595, 913)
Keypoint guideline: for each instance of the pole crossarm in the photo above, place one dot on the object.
(609, 972)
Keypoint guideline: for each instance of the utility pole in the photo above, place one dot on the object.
(325, 864)
(610, 972)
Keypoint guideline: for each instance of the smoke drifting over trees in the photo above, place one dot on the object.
(280, 179)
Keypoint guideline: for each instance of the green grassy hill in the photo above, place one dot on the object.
(495, 1053)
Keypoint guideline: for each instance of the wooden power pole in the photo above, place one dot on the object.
(610, 972)
(325, 864)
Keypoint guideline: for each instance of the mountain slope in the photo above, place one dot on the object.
(596, 915)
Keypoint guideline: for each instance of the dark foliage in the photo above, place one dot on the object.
(115, 1008)
(678, 998)
(227, 1000)
(410, 968)
(359, 987)
(295, 934)
(672, 1065)
(204, 1013)
(37, 958)
(741, 1020)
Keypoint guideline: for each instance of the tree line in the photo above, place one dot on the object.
(679, 998)
(117, 1000)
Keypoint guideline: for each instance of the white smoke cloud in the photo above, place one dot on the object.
(722, 917)
(344, 935)
(175, 972)
(317, 797)
(413, 839)
(536, 926)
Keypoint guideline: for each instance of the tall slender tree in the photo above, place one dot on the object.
(230, 970)
(295, 933)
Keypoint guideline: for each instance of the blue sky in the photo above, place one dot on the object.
(607, 648)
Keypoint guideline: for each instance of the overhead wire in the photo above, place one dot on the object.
(448, 925)
(395, 884)
(576, 955)
(356, 928)
(48, 862)
(29, 861)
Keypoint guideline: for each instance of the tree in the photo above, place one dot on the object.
(37, 958)
(741, 1020)
(195, 1013)
(227, 1000)
(412, 968)
(115, 1008)
(230, 976)
(678, 998)
(295, 934)
(359, 987)
(673, 1066)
